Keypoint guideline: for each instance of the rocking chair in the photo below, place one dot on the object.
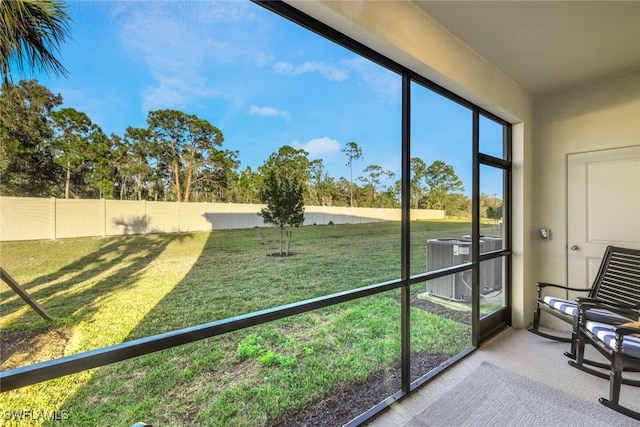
(617, 282)
(620, 345)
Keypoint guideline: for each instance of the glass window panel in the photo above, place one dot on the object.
(491, 207)
(492, 285)
(491, 137)
(268, 84)
(441, 180)
(440, 327)
(313, 366)
(492, 272)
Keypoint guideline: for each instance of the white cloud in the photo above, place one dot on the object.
(329, 72)
(178, 50)
(262, 59)
(171, 91)
(283, 67)
(254, 110)
(386, 84)
(318, 147)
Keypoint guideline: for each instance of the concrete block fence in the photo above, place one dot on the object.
(25, 218)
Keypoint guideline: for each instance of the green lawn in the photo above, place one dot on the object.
(104, 291)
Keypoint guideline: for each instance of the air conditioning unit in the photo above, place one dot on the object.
(491, 271)
(447, 252)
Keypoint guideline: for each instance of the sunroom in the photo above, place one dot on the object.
(517, 97)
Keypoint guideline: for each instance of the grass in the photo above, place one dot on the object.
(104, 291)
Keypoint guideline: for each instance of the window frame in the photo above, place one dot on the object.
(482, 329)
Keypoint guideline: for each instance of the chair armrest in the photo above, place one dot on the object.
(627, 330)
(541, 285)
(612, 305)
(631, 311)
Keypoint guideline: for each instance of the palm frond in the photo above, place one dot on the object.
(31, 32)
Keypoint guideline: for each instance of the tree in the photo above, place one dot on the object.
(136, 150)
(219, 178)
(73, 132)
(459, 205)
(26, 160)
(285, 174)
(101, 176)
(248, 186)
(418, 175)
(321, 186)
(374, 179)
(353, 152)
(442, 181)
(343, 193)
(493, 207)
(494, 213)
(31, 32)
(187, 145)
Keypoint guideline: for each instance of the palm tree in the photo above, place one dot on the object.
(353, 152)
(30, 34)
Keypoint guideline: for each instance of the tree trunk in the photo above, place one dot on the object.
(67, 183)
(289, 235)
(187, 187)
(281, 232)
(139, 185)
(176, 178)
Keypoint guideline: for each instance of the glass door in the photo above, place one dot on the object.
(493, 168)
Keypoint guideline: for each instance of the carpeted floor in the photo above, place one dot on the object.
(493, 396)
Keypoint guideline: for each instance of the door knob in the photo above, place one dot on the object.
(574, 247)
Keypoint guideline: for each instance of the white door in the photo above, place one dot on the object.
(603, 208)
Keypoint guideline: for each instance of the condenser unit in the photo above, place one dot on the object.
(443, 253)
(490, 271)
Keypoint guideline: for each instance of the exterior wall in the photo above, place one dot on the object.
(403, 33)
(602, 115)
(33, 219)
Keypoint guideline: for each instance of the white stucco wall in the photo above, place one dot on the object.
(601, 115)
(400, 31)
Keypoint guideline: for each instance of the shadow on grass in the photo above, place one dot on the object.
(117, 264)
(206, 383)
(72, 294)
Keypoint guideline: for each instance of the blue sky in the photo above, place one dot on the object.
(265, 82)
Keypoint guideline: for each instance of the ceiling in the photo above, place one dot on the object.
(546, 46)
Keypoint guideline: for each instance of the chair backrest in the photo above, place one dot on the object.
(618, 279)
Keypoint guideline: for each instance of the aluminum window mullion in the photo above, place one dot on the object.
(406, 237)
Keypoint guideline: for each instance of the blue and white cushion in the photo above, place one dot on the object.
(571, 308)
(563, 305)
(606, 334)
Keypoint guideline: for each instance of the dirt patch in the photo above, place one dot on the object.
(448, 313)
(20, 348)
(347, 403)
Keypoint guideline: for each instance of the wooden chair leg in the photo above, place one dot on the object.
(535, 328)
(615, 384)
(622, 409)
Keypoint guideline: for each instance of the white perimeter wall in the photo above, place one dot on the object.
(34, 218)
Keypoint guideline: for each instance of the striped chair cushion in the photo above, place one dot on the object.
(606, 334)
(571, 308)
(563, 305)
